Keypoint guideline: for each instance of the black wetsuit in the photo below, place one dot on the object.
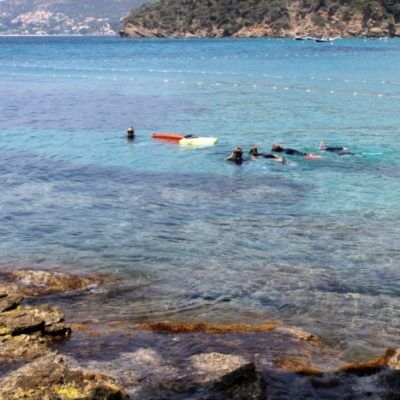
(270, 156)
(338, 150)
(130, 133)
(291, 152)
(254, 153)
(236, 157)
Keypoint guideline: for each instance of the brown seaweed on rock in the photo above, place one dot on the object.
(389, 359)
(192, 327)
(298, 366)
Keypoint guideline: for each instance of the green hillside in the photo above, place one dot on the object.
(232, 16)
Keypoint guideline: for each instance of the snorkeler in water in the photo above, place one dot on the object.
(236, 156)
(130, 133)
(292, 152)
(338, 150)
(253, 153)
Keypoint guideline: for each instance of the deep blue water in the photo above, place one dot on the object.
(310, 243)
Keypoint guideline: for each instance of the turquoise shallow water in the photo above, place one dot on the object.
(310, 243)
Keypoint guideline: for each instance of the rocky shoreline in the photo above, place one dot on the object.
(262, 31)
(44, 357)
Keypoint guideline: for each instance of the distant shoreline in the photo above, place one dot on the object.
(188, 37)
(53, 35)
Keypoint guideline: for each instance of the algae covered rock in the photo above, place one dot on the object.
(22, 320)
(26, 331)
(25, 347)
(28, 319)
(51, 378)
(9, 302)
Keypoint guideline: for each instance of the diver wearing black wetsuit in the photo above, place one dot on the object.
(130, 133)
(292, 152)
(335, 149)
(236, 156)
(254, 153)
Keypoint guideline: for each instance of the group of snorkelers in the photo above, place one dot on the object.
(237, 155)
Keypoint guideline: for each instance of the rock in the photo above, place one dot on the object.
(244, 383)
(27, 347)
(213, 366)
(23, 320)
(325, 382)
(232, 375)
(10, 302)
(376, 32)
(27, 319)
(390, 380)
(7, 288)
(51, 315)
(215, 376)
(41, 282)
(134, 31)
(300, 334)
(393, 358)
(58, 330)
(298, 366)
(50, 377)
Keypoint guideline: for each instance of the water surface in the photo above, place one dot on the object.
(310, 243)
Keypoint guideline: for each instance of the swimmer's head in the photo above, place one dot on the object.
(277, 148)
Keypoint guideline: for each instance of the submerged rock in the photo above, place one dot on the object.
(51, 377)
(369, 367)
(298, 366)
(300, 334)
(220, 376)
(235, 377)
(42, 282)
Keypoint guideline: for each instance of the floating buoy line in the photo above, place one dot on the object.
(204, 85)
(198, 72)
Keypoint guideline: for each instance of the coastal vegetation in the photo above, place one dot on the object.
(264, 18)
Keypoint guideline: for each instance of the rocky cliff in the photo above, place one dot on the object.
(265, 18)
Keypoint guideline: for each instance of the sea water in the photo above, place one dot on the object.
(312, 243)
